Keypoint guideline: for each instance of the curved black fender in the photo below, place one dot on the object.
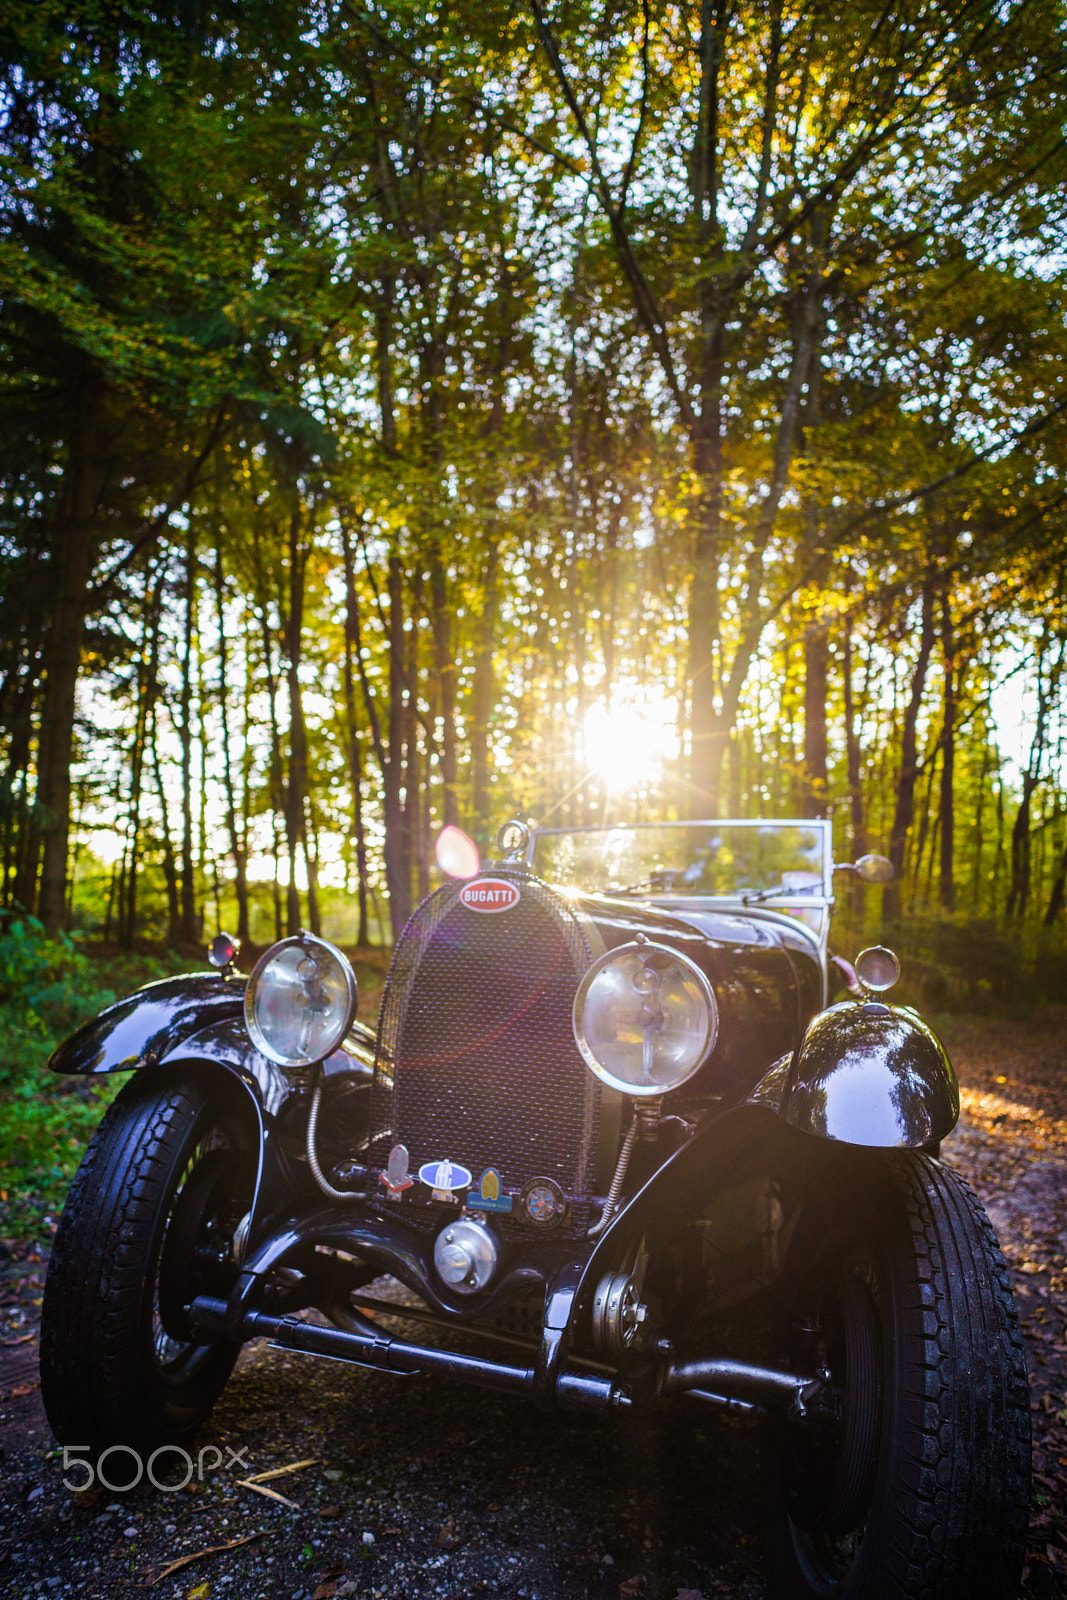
(141, 1029)
(195, 1019)
(196, 1024)
(866, 1074)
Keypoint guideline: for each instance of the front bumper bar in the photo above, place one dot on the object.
(758, 1390)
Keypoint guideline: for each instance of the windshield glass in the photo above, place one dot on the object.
(724, 859)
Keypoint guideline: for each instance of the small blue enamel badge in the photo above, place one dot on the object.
(490, 1194)
(447, 1176)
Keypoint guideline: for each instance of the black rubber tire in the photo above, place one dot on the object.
(949, 1479)
(109, 1373)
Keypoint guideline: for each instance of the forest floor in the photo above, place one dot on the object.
(415, 1489)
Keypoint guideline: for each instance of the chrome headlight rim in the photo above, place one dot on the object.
(644, 948)
(309, 942)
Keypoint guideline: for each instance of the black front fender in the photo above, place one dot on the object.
(866, 1074)
(142, 1029)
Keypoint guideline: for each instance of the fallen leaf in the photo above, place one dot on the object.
(18, 1391)
(327, 1513)
(325, 1591)
(198, 1555)
(200, 1592)
(272, 1494)
(446, 1537)
(280, 1472)
(630, 1588)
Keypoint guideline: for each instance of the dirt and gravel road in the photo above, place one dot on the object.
(420, 1489)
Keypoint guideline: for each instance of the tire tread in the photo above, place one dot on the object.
(94, 1308)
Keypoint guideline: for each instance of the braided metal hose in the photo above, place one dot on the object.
(616, 1183)
(313, 1161)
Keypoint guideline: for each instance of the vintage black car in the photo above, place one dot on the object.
(609, 1117)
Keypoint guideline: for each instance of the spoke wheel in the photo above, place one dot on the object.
(148, 1224)
(919, 1486)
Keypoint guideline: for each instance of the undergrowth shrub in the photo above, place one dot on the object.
(977, 967)
(47, 986)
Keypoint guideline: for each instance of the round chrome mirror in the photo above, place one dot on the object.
(877, 968)
(875, 869)
(223, 951)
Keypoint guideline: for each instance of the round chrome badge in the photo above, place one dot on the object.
(543, 1203)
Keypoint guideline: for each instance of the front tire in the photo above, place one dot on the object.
(151, 1209)
(920, 1491)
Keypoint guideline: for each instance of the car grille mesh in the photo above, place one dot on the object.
(476, 1055)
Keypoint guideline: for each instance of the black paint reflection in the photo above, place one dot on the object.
(869, 1074)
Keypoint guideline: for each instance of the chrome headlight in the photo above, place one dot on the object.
(645, 1018)
(300, 1001)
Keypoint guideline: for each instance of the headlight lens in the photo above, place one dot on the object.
(300, 1001)
(645, 1018)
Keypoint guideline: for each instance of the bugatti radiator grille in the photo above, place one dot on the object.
(477, 1062)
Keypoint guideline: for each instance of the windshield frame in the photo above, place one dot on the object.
(769, 900)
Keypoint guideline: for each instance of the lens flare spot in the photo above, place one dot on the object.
(456, 853)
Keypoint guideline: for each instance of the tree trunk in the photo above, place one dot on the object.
(277, 798)
(397, 848)
(296, 789)
(355, 749)
(852, 764)
(69, 582)
(311, 865)
(21, 818)
(170, 868)
(240, 861)
(1019, 893)
(482, 692)
(146, 678)
(25, 836)
(188, 884)
(816, 671)
(979, 826)
(445, 671)
(1059, 890)
(947, 884)
(904, 812)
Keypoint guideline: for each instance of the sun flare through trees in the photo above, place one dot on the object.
(414, 418)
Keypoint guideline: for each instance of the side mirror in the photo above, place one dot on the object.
(869, 869)
(223, 952)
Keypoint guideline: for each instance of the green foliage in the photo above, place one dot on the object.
(46, 988)
(971, 966)
(43, 1135)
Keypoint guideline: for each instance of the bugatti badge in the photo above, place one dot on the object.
(490, 894)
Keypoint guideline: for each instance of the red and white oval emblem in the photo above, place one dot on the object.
(489, 894)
